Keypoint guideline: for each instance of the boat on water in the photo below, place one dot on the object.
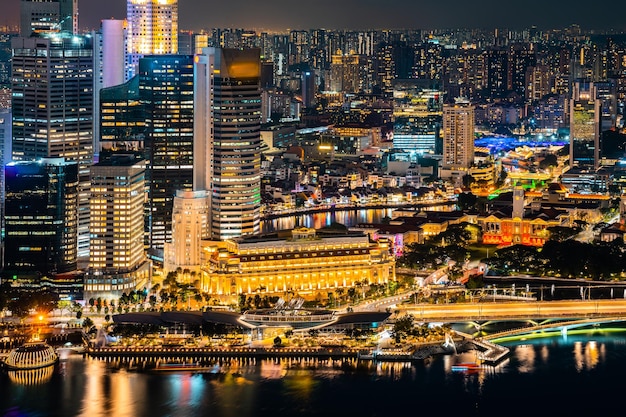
(31, 355)
(185, 367)
(467, 367)
(68, 349)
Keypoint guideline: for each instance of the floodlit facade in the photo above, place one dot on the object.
(302, 261)
(344, 73)
(152, 29)
(190, 217)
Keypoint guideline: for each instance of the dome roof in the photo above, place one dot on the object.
(31, 355)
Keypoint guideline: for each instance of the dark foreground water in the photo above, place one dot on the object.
(572, 375)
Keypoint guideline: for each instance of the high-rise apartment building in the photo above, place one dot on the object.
(152, 29)
(496, 70)
(307, 87)
(117, 260)
(299, 46)
(227, 139)
(537, 82)
(41, 220)
(344, 73)
(458, 135)
(52, 101)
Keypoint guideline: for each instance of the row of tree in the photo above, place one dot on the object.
(604, 261)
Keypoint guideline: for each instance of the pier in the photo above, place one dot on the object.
(491, 353)
(232, 352)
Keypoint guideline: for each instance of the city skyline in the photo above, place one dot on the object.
(360, 14)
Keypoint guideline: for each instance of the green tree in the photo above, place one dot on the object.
(468, 180)
(402, 327)
(466, 201)
(562, 233)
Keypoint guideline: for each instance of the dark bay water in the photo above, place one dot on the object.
(570, 375)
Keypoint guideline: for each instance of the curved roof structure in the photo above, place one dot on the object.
(168, 318)
(362, 317)
(146, 317)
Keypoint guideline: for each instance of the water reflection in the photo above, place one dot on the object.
(31, 376)
(525, 355)
(110, 393)
(318, 220)
(587, 355)
(319, 387)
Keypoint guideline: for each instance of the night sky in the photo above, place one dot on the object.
(364, 14)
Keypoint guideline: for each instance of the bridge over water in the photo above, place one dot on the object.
(515, 310)
(535, 317)
(535, 328)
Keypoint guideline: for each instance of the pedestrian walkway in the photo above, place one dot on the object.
(490, 353)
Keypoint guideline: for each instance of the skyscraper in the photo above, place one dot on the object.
(37, 16)
(117, 260)
(5, 157)
(227, 139)
(122, 123)
(41, 219)
(307, 86)
(154, 112)
(584, 111)
(152, 29)
(417, 110)
(458, 135)
(344, 73)
(166, 87)
(109, 66)
(52, 87)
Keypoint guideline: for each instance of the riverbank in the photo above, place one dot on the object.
(414, 352)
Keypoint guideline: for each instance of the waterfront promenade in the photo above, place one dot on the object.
(490, 353)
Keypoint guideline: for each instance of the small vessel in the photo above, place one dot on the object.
(68, 349)
(467, 367)
(184, 367)
(31, 355)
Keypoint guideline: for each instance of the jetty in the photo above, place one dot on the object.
(491, 353)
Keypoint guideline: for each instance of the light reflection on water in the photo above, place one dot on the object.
(348, 218)
(319, 220)
(564, 365)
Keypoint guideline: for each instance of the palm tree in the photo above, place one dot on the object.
(198, 298)
(340, 292)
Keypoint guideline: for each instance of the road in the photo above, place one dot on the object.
(484, 311)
